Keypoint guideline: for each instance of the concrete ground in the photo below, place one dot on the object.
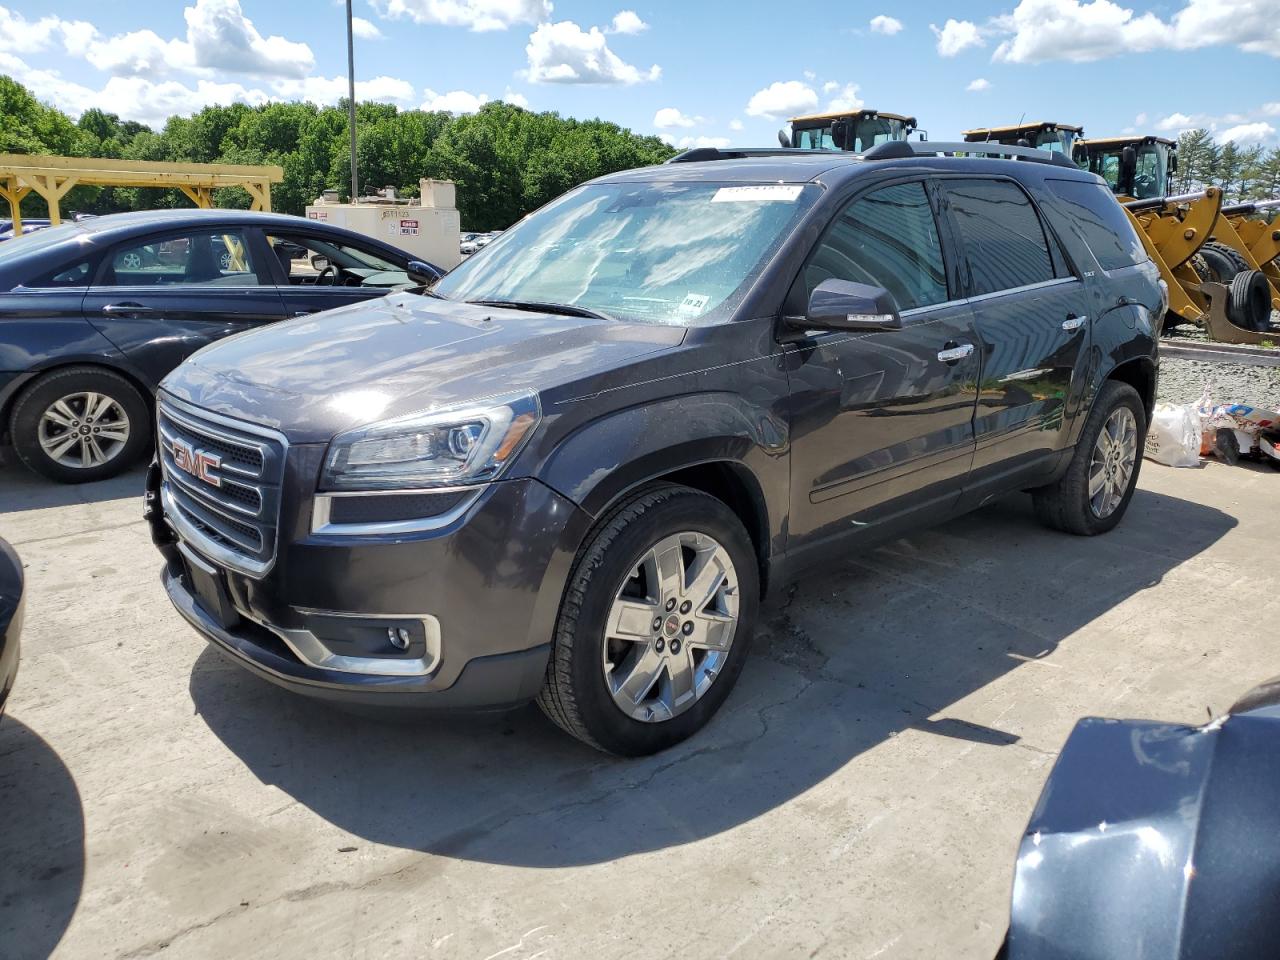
(862, 794)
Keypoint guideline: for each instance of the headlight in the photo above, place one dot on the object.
(433, 449)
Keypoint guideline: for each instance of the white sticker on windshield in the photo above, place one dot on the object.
(759, 193)
(694, 305)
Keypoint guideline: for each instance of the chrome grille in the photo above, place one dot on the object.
(225, 496)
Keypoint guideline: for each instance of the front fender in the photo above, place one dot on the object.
(613, 454)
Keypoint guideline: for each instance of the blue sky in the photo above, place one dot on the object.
(729, 72)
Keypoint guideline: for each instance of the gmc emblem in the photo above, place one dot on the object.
(196, 462)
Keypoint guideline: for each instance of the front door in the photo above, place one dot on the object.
(882, 422)
(161, 299)
(1032, 316)
(318, 272)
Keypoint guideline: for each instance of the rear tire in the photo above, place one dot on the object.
(80, 424)
(1250, 303)
(1070, 504)
(589, 689)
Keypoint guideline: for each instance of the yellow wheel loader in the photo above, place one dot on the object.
(1042, 135)
(856, 130)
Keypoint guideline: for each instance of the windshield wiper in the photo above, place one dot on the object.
(538, 306)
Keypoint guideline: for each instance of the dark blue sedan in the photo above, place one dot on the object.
(94, 314)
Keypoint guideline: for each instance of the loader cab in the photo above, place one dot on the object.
(1044, 135)
(1138, 168)
(855, 132)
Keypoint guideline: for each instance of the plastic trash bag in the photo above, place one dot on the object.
(1174, 435)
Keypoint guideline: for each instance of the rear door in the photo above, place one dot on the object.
(1032, 315)
(882, 422)
(160, 299)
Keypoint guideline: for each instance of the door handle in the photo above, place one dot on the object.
(306, 313)
(956, 353)
(1073, 322)
(126, 309)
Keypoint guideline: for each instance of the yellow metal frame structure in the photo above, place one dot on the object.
(1258, 244)
(1171, 237)
(52, 177)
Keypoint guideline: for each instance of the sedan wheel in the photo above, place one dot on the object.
(83, 430)
(671, 627)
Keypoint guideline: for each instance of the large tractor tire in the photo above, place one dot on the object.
(1218, 263)
(1228, 260)
(1250, 303)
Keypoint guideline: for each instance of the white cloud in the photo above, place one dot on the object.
(1271, 109)
(1140, 120)
(735, 125)
(810, 76)
(846, 100)
(324, 90)
(955, 36)
(1248, 133)
(565, 53)
(140, 53)
(1075, 31)
(686, 143)
(516, 99)
(455, 101)
(474, 14)
(669, 117)
(627, 21)
(782, 99)
(886, 25)
(978, 85)
(365, 29)
(830, 87)
(1177, 121)
(223, 38)
(20, 35)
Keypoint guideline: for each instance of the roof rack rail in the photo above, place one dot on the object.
(905, 149)
(697, 154)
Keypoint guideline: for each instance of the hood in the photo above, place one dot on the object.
(1156, 841)
(317, 376)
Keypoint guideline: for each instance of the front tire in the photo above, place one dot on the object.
(655, 623)
(1093, 494)
(80, 424)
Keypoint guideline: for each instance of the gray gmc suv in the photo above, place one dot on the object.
(570, 471)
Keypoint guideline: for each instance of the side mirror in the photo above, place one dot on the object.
(784, 139)
(844, 305)
(422, 272)
(319, 262)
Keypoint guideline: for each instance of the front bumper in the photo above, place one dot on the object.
(487, 586)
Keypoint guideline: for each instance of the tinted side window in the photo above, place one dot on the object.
(1003, 237)
(207, 258)
(67, 275)
(887, 238)
(1097, 217)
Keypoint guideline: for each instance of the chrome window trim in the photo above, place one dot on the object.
(322, 505)
(1039, 284)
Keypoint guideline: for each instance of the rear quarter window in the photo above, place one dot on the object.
(1092, 213)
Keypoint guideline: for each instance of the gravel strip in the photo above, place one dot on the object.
(1183, 381)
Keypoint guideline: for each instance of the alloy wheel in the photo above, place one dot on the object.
(83, 430)
(671, 626)
(1114, 455)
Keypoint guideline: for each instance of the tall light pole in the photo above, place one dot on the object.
(351, 103)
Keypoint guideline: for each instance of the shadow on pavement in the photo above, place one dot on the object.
(847, 660)
(20, 489)
(41, 844)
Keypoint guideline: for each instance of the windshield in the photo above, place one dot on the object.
(1150, 174)
(657, 252)
(866, 134)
